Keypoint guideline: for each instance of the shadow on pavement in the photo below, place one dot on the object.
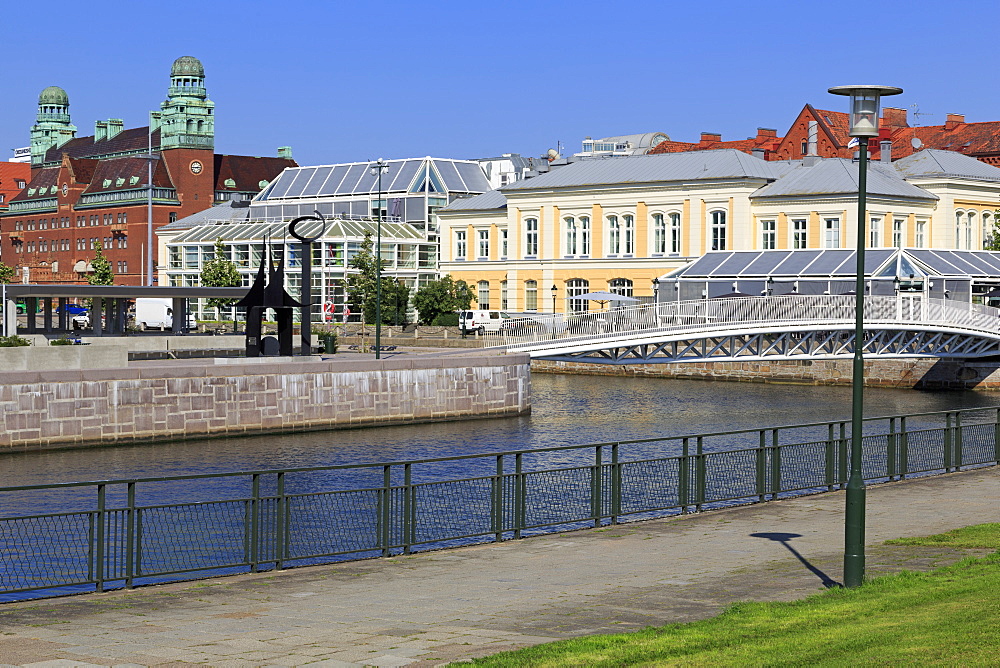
(785, 539)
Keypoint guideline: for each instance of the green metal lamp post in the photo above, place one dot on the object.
(864, 124)
(378, 169)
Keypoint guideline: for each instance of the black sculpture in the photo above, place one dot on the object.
(268, 292)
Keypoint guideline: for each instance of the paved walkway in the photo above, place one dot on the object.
(432, 608)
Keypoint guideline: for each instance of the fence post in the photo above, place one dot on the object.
(890, 453)
(496, 516)
(616, 484)
(958, 442)
(280, 545)
(947, 442)
(519, 494)
(775, 465)
(409, 509)
(996, 438)
(254, 522)
(830, 467)
(904, 450)
(384, 515)
(843, 454)
(761, 466)
(99, 536)
(699, 472)
(682, 477)
(130, 537)
(596, 488)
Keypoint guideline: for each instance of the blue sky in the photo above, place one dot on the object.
(349, 81)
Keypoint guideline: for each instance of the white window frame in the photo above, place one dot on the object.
(831, 232)
(875, 231)
(628, 224)
(614, 235)
(800, 233)
(531, 295)
(768, 234)
(584, 236)
(570, 236)
(483, 244)
(898, 232)
(717, 229)
(461, 245)
(531, 237)
(920, 234)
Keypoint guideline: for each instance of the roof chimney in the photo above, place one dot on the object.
(115, 125)
(765, 133)
(953, 121)
(885, 151)
(893, 117)
(759, 153)
(708, 137)
(100, 131)
(285, 152)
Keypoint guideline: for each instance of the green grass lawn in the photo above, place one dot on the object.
(947, 617)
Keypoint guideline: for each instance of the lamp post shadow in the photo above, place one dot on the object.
(785, 539)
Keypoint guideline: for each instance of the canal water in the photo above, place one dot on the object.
(566, 410)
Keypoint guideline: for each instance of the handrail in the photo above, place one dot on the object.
(737, 312)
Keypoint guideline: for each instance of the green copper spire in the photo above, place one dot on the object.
(187, 118)
(52, 126)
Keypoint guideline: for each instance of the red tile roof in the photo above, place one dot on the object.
(10, 174)
(132, 139)
(42, 181)
(247, 171)
(119, 172)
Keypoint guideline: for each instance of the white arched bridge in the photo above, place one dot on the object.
(753, 328)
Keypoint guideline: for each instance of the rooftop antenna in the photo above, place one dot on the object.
(915, 140)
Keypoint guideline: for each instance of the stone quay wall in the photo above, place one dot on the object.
(921, 373)
(146, 403)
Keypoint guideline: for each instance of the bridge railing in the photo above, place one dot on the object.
(737, 313)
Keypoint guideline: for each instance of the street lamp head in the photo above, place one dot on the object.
(554, 289)
(864, 106)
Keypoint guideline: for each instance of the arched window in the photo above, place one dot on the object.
(620, 286)
(531, 295)
(503, 295)
(484, 294)
(614, 236)
(629, 224)
(571, 235)
(968, 230)
(659, 233)
(584, 235)
(988, 224)
(718, 224)
(959, 227)
(574, 288)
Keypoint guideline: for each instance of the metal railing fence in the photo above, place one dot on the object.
(84, 536)
(734, 313)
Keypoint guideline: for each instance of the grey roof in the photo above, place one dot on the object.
(831, 176)
(935, 162)
(230, 211)
(338, 229)
(357, 178)
(694, 165)
(493, 199)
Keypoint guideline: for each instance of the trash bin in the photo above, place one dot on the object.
(329, 343)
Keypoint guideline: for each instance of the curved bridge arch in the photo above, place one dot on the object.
(752, 328)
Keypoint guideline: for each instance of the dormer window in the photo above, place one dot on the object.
(229, 183)
(31, 192)
(106, 183)
(119, 182)
(134, 180)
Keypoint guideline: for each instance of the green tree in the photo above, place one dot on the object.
(992, 240)
(444, 295)
(220, 272)
(6, 273)
(362, 287)
(102, 268)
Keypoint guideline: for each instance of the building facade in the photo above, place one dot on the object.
(617, 224)
(92, 191)
(14, 177)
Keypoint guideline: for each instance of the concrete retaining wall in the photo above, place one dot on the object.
(925, 373)
(41, 409)
(42, 357)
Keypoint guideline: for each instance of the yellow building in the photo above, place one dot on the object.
(615, 224)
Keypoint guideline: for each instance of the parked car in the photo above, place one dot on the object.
(74, 309)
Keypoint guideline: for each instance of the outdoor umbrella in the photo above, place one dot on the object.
(732, 294)
(603, 296)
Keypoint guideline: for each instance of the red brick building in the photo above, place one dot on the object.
(824, 133)
(88, 190)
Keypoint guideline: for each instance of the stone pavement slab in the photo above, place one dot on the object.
(437, 607)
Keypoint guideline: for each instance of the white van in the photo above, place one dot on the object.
(480, 321)
(156, 313)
